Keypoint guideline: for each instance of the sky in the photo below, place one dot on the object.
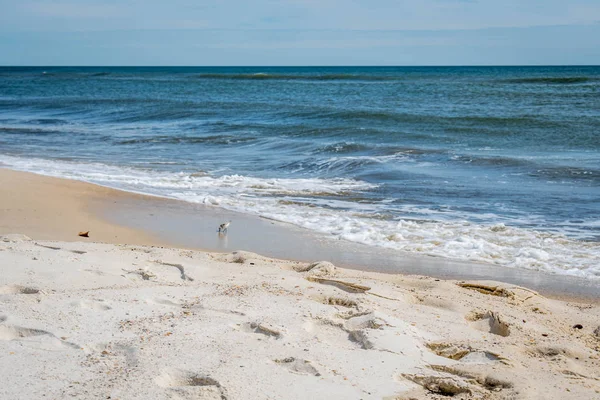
(299, 32)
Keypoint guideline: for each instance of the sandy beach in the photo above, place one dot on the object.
(125, 314)
(47, 208)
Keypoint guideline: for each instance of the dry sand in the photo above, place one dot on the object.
(89, 320)
(95, 321)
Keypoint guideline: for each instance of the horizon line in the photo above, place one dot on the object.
(299, 66)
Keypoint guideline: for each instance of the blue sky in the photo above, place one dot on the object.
(299, 32)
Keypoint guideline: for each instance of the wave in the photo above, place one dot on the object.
(48, 121)
(534, 169)
(553, 80)
(28, 131)
(156, 114)
(155, 182)
(341, 148)
(342, 165)
(215, 139)
(449, 122)
(71, 74)
(327, 206)
(497, 161)
(301, 77)
(565, 173)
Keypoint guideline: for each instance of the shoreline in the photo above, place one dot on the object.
(49, 208)
(57, 209)
(90, 320)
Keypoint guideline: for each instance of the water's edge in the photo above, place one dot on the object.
(195, 226)
(491, 165)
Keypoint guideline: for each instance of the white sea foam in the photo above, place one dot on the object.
(319, 205)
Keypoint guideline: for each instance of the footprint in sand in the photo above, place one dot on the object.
(567, 360)
(298, 366)
(190, 385)
(490, 322)
(263, 329)
(331, 331)
(182, 275)
(449, 386)
(93, 304)
(556, 351)
(144, 274)
(17, 289)
(360, 329)
(434, 302)
(164, 302)
(123, 350)
(338, 301)
(367, 321)
(11, 332)
(464, 353)
(450, 382)
(500, 290)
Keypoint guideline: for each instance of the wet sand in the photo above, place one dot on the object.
(195, 226)
(47, 208)
(57, 209)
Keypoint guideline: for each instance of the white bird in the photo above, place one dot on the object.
(223, 227)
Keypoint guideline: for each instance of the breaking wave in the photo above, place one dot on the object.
(325, 206)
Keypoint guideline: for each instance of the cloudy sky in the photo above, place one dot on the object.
(299, 32)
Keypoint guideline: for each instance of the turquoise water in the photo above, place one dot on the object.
(493, 164)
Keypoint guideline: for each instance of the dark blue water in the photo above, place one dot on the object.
(495, 164)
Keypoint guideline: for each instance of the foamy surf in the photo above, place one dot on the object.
(323, 205)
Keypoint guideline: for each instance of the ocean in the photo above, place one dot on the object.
(489, 164)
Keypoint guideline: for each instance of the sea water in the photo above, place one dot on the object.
(490, 164)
